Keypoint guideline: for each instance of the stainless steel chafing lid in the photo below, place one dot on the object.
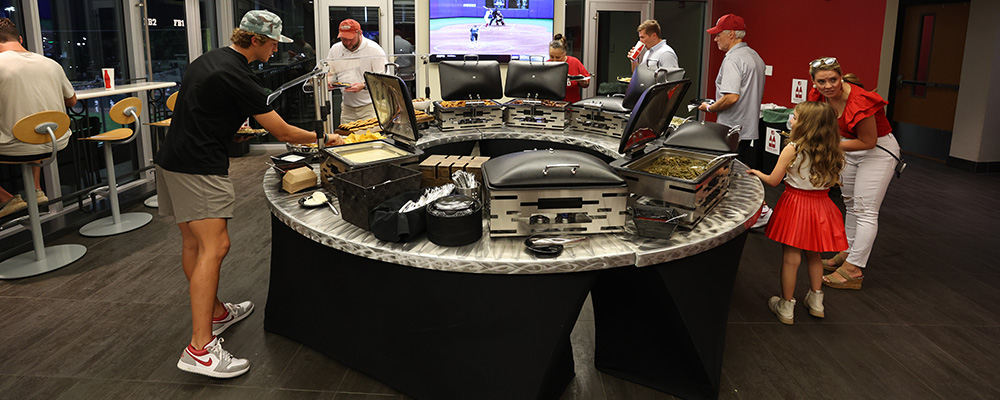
(550, 169)
(709, 136)
(536, 80)
(464, 80)
(604, 103)
(393, 106)
(652, 114)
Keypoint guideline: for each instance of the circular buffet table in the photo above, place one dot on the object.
(489, 320)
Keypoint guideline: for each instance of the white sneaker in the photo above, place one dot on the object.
(765, 216)
(42, 198)
(814, 303)
(213, 361)
(13, 205)
(234, 313)
(784, 309)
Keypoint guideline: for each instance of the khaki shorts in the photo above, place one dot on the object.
(351, 114)
(190, 197)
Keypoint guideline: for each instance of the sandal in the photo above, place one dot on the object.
(831, 264)
(841, 279)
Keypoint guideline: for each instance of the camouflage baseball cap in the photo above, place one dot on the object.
(265, 23)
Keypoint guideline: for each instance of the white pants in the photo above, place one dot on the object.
(351, 114)
(865, 178)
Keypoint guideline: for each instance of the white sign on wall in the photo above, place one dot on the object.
(798, 90)
(773, 141)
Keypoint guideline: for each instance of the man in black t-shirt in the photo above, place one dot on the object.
(218, 92)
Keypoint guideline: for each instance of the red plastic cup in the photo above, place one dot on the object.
(636, 51)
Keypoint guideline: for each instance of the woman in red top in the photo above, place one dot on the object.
(557, 52)
(869, 169)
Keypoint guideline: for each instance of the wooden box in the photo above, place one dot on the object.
(436, 170)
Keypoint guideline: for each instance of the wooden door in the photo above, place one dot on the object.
(929, 65)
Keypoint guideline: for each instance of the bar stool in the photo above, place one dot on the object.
(124, 112)
(39, 128)
(153, 201)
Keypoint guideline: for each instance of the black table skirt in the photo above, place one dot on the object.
(446, 335)
(664, 326)
(429, 334)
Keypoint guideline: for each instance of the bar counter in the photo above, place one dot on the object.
(489, 320)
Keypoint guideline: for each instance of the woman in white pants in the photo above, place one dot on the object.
(867, 141)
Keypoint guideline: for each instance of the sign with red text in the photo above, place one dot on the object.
(799, 90)
(773, 141)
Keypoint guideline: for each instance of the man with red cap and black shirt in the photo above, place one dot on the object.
(739, 89)
(350, 58)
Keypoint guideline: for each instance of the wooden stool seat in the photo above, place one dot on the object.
(124, 112)
(164, 123)
(39, 128)
(111, 136)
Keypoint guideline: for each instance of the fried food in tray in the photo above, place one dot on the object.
(371, 123)
(461, 103)
(625, 79)
(545, 103)
(336, 85)
(677, 167)
(245, 131)
(358, 137)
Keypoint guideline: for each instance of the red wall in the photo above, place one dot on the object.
(789, 34)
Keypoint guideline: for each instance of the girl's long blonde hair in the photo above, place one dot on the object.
(817, 136)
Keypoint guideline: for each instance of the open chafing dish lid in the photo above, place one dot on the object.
(536, 80)
(548, 169)
(645, 75)
(393, 107)
(464, 80)
(652, 114)
(604, 103)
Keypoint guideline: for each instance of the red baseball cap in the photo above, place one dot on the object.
(728, 22)
(349, 29)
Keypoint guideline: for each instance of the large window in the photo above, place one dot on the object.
(292, 59)
(167, 40)
(208, 10)
(85, 36)
(10, 9)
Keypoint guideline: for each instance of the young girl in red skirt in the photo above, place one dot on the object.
(805, 219)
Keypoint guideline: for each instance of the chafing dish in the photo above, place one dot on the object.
(538, 89)
(702, 141)
(472, 83)
(395, 115)
(553, 191)
(602, 115)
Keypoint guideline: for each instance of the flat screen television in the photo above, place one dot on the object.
(500, 30)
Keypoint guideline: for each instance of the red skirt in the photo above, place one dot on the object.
(808, 220)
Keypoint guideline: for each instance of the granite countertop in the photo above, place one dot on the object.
(728, 219)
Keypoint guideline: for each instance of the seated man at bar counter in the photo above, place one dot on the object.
(29, 83)
(192, 177)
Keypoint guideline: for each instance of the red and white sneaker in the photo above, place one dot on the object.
(234, 313)
(212, 361)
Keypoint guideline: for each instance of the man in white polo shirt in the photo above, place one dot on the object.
(351, 57)
(656, 48)
(739, 90)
